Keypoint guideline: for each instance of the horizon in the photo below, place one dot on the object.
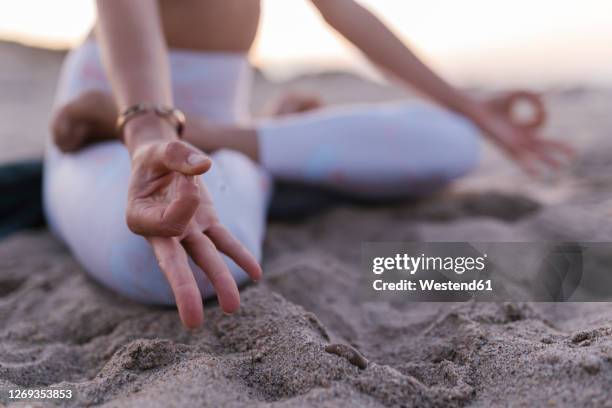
(572, 46)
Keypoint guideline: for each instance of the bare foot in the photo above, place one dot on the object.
(295, 102)
(88, 119)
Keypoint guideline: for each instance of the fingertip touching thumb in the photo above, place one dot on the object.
(199, 162)
(197, 159)
(186, 159)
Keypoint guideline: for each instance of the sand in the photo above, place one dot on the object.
(300, 338)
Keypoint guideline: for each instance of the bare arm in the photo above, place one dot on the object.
(136, 58)
(167, 203)
(362, 28)
(381, 46)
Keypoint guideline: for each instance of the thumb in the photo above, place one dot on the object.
(183, 158)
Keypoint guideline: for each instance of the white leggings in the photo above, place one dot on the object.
(371, 151)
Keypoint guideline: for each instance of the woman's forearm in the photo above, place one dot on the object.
(381, 46)
(136, 59)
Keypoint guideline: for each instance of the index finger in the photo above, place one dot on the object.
(164, 220)
(173, 262)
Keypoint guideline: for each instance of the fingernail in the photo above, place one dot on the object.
(196, 159)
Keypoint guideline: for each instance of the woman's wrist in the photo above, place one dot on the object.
(479, 114)
(474, 110)
(147, 129)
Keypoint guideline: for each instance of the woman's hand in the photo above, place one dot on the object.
(508, 104)
(171, 208)
(520, 139)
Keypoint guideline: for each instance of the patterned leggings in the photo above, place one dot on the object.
(374, 151)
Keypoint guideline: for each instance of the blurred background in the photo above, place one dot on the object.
(479, 44)
(561, 47)
(475, 41)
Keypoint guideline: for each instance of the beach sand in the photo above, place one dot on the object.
(301, 338)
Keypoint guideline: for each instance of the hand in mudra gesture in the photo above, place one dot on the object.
(170, 206)
(521, 140)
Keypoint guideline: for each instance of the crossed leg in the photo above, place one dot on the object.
(369, 150)
(91, 118)
(375, 151)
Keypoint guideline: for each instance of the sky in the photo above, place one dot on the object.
(473, 41)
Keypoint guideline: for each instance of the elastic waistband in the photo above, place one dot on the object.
(186, 53)
(213, 84)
